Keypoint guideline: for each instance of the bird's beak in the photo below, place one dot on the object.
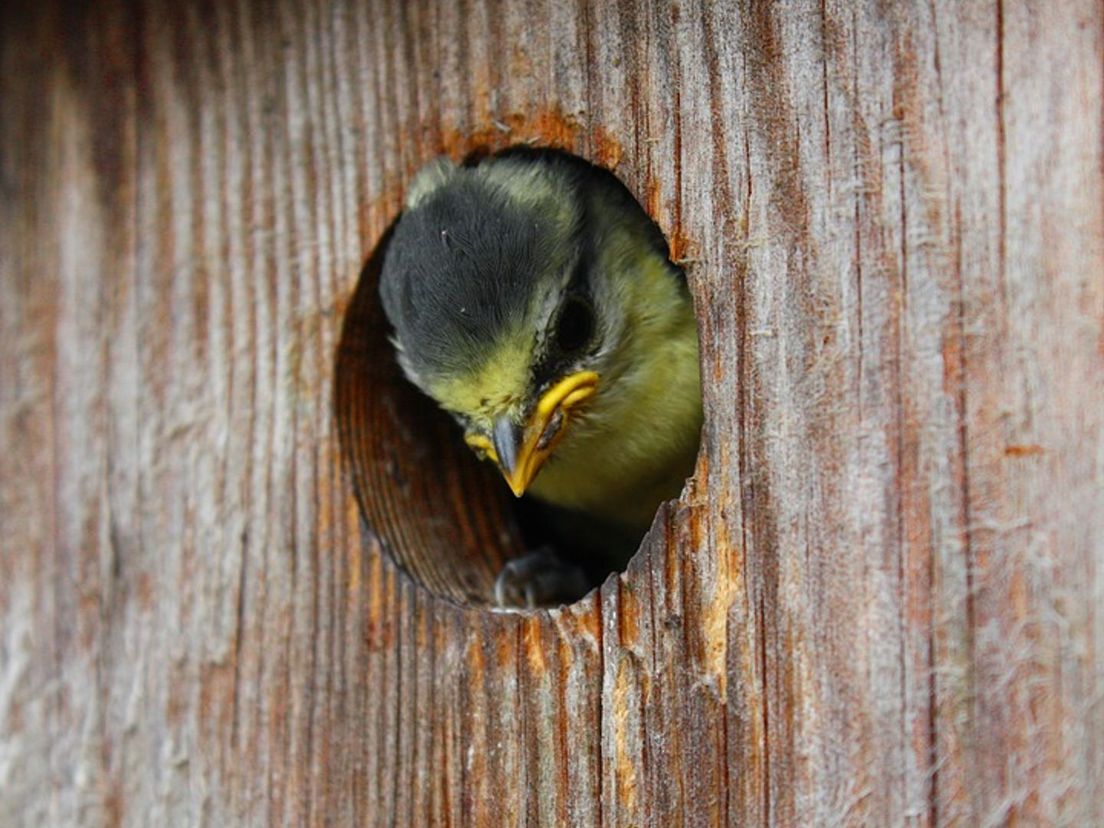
(521, 450)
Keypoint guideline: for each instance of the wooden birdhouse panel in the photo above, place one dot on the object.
(246, 569)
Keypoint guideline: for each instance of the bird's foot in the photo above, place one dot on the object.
(539, 579)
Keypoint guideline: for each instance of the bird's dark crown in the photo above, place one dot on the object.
(476, 243)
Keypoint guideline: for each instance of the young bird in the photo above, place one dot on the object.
(533, 298)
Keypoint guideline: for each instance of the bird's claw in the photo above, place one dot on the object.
(540, 578)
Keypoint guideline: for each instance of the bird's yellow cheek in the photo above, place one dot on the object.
(520, 452)
(481, 445)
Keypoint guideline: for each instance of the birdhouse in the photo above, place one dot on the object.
(247, 569)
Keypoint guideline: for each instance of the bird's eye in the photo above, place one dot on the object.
(575, 326)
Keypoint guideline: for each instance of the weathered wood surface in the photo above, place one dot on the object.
(879, 600)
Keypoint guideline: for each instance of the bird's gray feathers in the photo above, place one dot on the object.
(460, 271)
(430, 178)
(508, 277)
(476, 243)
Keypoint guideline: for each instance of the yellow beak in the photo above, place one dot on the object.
(520, 451)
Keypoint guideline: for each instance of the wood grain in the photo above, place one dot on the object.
(878, 600)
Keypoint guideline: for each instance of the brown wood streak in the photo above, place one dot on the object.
(877, 601)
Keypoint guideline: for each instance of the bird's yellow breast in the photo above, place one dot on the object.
(637, 443)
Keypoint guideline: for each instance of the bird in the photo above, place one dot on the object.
(535, 301)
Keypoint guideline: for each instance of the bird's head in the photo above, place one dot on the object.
(504, 284)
